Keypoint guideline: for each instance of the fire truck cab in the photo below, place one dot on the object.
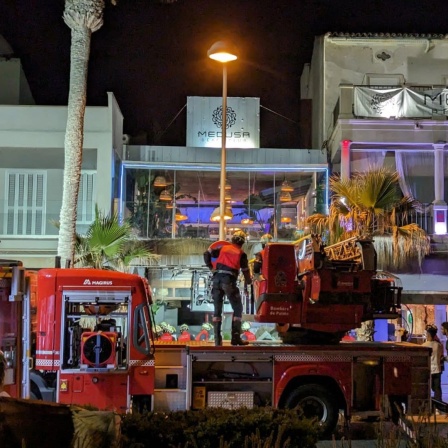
(93, 342)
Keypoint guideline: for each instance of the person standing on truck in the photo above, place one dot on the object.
(230, 260)
(3, 393)
(436, 354)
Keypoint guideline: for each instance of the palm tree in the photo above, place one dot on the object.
(367, 205)
(108, 243)
(83, 17)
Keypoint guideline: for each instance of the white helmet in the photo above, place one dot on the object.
(184, 327)
(207, 326)
(266, 238)
(170, 329)
(245, 326)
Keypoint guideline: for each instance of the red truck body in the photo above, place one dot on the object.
(93, 337)
(356, 378)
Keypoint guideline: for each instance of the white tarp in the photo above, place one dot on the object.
(400, 102)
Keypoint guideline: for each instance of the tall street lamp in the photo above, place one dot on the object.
(223, 52)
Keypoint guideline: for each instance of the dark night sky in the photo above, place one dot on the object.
(152, 56)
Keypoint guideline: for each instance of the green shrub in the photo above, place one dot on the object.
(212, 428)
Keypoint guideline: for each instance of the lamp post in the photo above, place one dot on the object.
(223, 52)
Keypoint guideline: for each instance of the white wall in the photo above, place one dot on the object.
(347, 60)
(33, 136)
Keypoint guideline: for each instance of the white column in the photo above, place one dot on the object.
(439, 207)
(345, 159)
(439, 174)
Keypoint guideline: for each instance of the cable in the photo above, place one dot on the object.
(172, 121)
(280, 115)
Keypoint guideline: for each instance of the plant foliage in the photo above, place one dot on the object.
(211, 428)
(368, 205)
(109, 243)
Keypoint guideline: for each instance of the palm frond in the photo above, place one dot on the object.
(110, 243)
(367, 204)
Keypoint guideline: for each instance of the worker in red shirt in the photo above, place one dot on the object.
(168, 331)
(185, 334)
(204, 334)
(247, 334)
(230, 259)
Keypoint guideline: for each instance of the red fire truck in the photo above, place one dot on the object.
(89, 341)
(314, 295)
(94, 342)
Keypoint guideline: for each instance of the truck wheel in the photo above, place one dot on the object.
(316, 402)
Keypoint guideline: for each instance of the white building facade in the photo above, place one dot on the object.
(32, 167)
(381, 99)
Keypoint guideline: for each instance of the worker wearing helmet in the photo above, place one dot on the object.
(230, 260)
(159, 331)
(168, 331)
(185, 334)
(204, 334)
(247, 334)
(258, 263)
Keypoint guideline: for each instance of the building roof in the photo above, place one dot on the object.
(387, 35)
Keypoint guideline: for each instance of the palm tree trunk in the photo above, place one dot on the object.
(83, 17)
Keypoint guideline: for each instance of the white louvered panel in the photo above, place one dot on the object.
(39, 222)
(20, 179)
(25, 213)
(29, 222)
(11, 188)
(86, 195)
(29, 189)
(40, 191)
(10, 222)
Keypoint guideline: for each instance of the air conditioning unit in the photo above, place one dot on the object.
(98, 349)
(126, 139)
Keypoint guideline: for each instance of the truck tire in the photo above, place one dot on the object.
(316, 402)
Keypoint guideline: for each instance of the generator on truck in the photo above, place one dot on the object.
(316, 293)
(89, 340)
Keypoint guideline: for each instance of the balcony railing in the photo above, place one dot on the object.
(422, 218)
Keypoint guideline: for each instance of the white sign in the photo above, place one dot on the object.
(204, 122)
(400, 102)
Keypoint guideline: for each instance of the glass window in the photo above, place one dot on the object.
(167, 203)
